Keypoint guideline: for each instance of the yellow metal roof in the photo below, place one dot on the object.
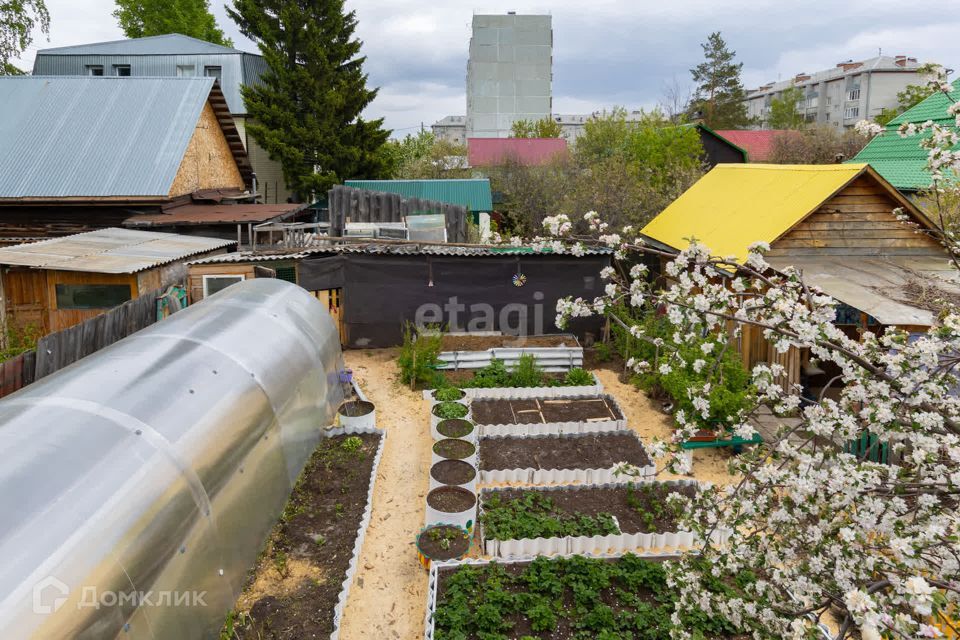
(735, 205)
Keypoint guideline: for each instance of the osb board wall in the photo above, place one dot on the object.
(197, 271)
(208, 162)
(857, 221)
(162, 277)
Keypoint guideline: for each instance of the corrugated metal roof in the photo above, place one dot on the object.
(109, 251)
(66, 136)
(885, 288)
(758, 144)
(735, 205)
(471, 193)
(191, 214)
(526, 151)
(167, 44)
(389, 249)
(902, 161)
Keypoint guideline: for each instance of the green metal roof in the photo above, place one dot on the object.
(471, 193)
(902, 161)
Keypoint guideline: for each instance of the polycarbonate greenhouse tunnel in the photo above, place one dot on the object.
(139, 484)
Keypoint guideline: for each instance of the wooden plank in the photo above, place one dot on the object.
(846, 225)
(842, 235)
(865, 207)
(856, 198)
(854, 251)
(852, 242)
(862, 216)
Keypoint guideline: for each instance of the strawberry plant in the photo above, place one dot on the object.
(535, 515)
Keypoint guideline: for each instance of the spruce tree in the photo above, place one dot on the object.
(719, 99)
(142, 18)
(305, 109)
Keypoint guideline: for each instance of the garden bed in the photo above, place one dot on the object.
(560, 598)
(467, 342)
(567, 520)
(569, 458)
(300, 584)
(530, 416)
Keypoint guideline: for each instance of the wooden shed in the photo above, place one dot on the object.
(837, 224)
(57, 283)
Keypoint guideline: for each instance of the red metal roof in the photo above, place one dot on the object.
(757, 142)
(194, 214)
(527, 151)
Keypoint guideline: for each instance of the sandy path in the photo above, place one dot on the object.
(709, 465)
(388, 597)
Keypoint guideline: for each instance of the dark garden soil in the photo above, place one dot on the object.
(648, 513)
(482, 343)
(581, 451)
(455, 428)
(453, 472)
(637, 601)
(451, 499)
(433, 540)
(317, 530)
(355, 408)
(541, 410)
(453, 449)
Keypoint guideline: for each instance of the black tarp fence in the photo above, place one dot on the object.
(381, 292)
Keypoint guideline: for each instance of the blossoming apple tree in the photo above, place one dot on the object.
(821, 541)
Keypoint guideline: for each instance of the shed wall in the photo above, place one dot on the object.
(208, 162)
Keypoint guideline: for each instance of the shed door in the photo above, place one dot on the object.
(26, 293)
(333, 299)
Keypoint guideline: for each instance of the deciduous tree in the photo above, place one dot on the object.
(142, 18)
(542, 128)
(784, 111)
(18, 19)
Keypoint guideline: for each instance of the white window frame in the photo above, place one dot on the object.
(213, 276)
(181, 68)
(117, 67)
(851, 112)
(95, 67)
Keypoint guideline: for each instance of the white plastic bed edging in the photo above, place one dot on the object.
(465, 519)
(435, 420)
(532, 476)
(555, 428)
(579, 545)
(429, 629)
(364, 523)
(472, 458)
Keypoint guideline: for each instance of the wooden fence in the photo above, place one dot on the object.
(57, 350)
(360, 205)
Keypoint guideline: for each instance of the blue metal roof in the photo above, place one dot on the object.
(471, 193)
(65, 136)
(167, 44)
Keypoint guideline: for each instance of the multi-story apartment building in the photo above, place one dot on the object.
(509, 77)
(840, 96)
(176, 55)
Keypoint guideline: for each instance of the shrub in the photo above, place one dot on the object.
(447, 394)
(419, 356)
(527, 373)
(493, 375)
(534, 515)
(448, 410)
(578, 377)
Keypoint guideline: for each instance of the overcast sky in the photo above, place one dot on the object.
(606, 52)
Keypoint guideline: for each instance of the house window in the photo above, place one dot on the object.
(94, 69)
(186, 70)
(214, 72)
(287, 273)
(853, 94)
(122, 70)
(213, 284)
(851, 112)
(92, 296)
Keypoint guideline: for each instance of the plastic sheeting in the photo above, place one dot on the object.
(140, 483)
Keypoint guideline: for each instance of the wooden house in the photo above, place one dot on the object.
(85, 153)
(837, 224)
(57, 283)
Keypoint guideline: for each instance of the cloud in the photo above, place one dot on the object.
(606, 52)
